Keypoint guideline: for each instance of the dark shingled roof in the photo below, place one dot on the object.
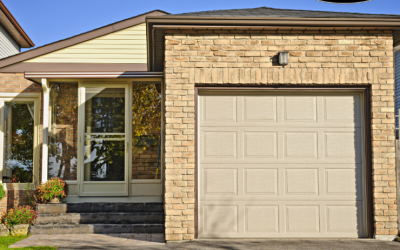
(272, 12)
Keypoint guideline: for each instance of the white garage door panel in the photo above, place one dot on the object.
(287, 165)
(270, 182)
(254, 219)
(280, 145)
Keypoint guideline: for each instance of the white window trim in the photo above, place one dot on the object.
(27, 97)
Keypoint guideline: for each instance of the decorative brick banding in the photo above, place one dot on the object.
(248, 58)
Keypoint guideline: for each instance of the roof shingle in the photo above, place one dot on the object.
(272, 12)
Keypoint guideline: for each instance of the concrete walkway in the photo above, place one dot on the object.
(93, 241)
(156, 241)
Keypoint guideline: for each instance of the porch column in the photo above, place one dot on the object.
(45, 150)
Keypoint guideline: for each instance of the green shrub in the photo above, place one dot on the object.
(3, 192)
(20, 215)
(53, 188)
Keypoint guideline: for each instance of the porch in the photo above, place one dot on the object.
(104, 138)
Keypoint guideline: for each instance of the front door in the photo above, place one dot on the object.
(103, 113)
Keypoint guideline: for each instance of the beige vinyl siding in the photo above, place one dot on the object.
(125, 46)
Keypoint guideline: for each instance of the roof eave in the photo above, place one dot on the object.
(315, 22)
(13, 28)
(272, 18)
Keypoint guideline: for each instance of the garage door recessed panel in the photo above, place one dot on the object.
(301, 109)
(259, 108)
(220, 181)
(261, 218)
(342, 218)
(302, 219)
(301, 145)
(342, 109)
(260, 144)
(261, 181)
(220, 219)
(301, 181)
(219, 108)
(219, 144)
(342, 181)
(343, 145)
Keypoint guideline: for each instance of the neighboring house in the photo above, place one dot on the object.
(12, 36)
(198, 112)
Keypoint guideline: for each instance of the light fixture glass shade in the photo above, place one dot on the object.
(284, 58)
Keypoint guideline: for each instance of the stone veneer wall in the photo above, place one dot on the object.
(244, 58)
(16, 83)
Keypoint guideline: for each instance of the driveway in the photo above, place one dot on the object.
(156, 241)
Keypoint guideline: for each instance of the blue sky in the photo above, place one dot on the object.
(46, 21)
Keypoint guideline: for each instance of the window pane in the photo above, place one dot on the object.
(104, 160)
(18, 141)
(146, 125)
(105, 110)
(63, 137)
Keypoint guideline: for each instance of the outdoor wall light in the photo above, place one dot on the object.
(284, 58)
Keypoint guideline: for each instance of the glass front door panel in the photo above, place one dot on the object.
(18, 142)
(104, 157)
(104, 160)
(105, 110)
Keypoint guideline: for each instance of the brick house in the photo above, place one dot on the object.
(232, 139)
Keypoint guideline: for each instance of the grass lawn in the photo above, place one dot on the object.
(6, 241)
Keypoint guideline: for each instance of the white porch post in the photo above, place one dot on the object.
(45, 150)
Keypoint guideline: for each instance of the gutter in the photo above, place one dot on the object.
(126, 74)
(261, 27)
(216, 18)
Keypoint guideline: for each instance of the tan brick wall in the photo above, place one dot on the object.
(243, 57)
(16, 83)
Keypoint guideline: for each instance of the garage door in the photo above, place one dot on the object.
(281, 164)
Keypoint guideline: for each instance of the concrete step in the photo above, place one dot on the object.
(99, 207)
(101, 218)
(97, 228)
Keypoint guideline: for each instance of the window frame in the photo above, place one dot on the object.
(23, 97)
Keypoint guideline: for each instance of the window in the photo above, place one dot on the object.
(146, 127)
(63, 134)
(19, 138)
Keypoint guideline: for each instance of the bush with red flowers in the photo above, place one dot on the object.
(20, 215)
(53, 188)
